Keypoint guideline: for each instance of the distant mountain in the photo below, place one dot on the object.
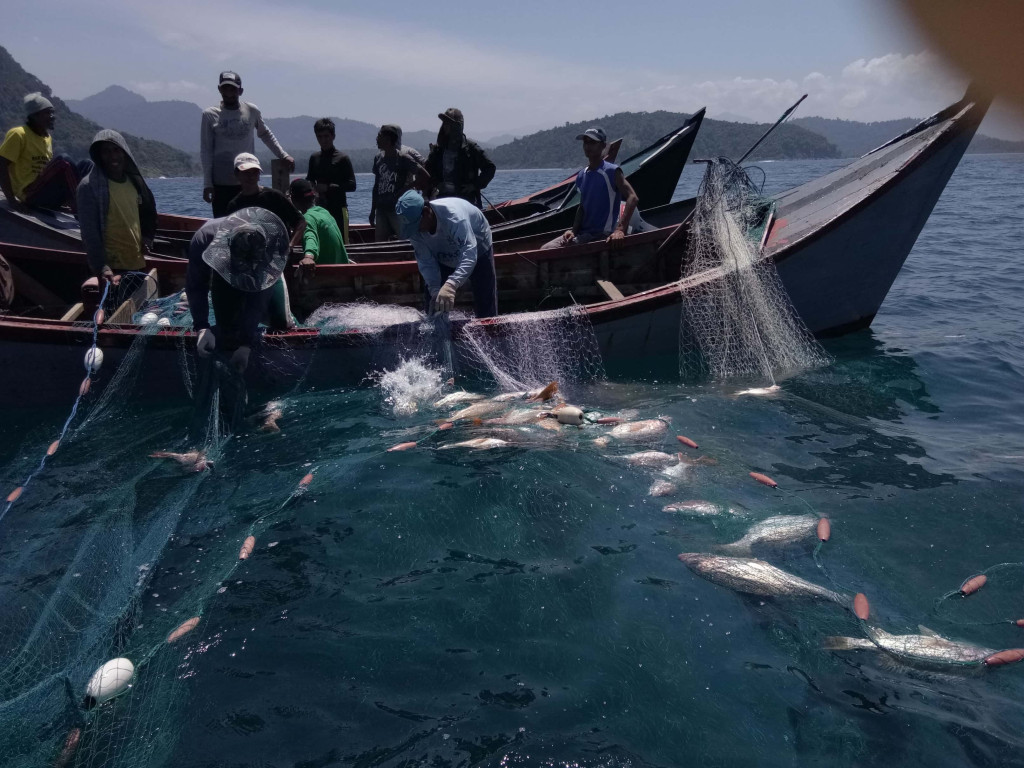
(177, 123)
(854, 138)
(172, 122)
(558, 148)
(73, 133)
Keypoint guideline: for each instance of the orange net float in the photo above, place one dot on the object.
(861, 607)
(686, 441)
(14, 495)
(183, 629)
(764, 479)
(247, 547)
(824, 529)
(973, 584)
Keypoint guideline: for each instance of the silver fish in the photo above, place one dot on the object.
(655, 459)
(781, 529)
(926, 648)
(457, 397)
(755, 577)
(699, 508)
(478, 443)
(518, 416)
(476, 410)
(505, 397)
(660, 487)
(761, 391)
(639, 430)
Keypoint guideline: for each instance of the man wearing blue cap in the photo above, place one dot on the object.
(603, 189)
(452, 241)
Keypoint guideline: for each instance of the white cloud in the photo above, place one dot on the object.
(386, 70)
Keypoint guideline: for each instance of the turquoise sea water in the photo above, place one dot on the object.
(525, 606)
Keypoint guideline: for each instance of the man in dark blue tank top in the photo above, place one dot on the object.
(603, 188)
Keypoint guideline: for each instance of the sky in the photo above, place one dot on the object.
(511, 67)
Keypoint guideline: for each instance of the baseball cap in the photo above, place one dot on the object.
(245, 161)
(230, 78)
(452, 115)
(409, 209)
(597, 134)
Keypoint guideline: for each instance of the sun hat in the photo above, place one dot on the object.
(246, 161)
(597, 134)
(250, 249)
(409, 209)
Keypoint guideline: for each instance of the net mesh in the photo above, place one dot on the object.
(737, 320)
(521, 352)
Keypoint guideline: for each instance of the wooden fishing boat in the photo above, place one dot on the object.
(838, 243)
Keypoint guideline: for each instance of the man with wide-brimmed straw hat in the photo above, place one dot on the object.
(238, 260)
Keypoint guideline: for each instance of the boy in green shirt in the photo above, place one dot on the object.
(321, 242)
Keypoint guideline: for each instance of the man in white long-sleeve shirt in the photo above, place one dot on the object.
(226, 132)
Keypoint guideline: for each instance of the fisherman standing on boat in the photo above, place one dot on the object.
(225, 132)
(117, 214)
(458, 166)
(395, 169)
(331, 172)
(603, 188)
(27, 173)
(238, 260)
(321, 240)
(452, 241)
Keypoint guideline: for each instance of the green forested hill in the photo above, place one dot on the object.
(73, 133)
(557, 147)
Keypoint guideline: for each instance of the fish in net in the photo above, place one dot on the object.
(527, 351)
(737, 320)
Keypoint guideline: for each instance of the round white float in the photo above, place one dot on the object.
(570, 414)
(93, 359)
(164, 321)
(148, 319)
(110, 680)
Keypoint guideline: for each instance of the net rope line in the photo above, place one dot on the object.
(737, 320)
(83, 390)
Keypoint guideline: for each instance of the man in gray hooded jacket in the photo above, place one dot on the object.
(116, 210)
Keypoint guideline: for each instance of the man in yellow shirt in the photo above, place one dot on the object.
(116, 212)
(29, 173)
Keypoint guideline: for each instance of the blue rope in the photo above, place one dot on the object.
(74, 408)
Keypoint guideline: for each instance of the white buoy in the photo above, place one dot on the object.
(164, 321)
(148, 319)
(93, 359)
(110, 680)
(569, 414)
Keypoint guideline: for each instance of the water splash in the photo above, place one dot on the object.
(409, 385)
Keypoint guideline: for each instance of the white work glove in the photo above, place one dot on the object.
(240, 359)
(445, 301)
(206, 343)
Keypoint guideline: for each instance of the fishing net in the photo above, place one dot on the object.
(737, 320)
(521, 352)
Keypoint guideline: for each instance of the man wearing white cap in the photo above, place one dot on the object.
(29, 173)
(252, 193)
(227, 131)
(607, 200)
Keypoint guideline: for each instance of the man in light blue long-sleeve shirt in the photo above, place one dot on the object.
(452, 241)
